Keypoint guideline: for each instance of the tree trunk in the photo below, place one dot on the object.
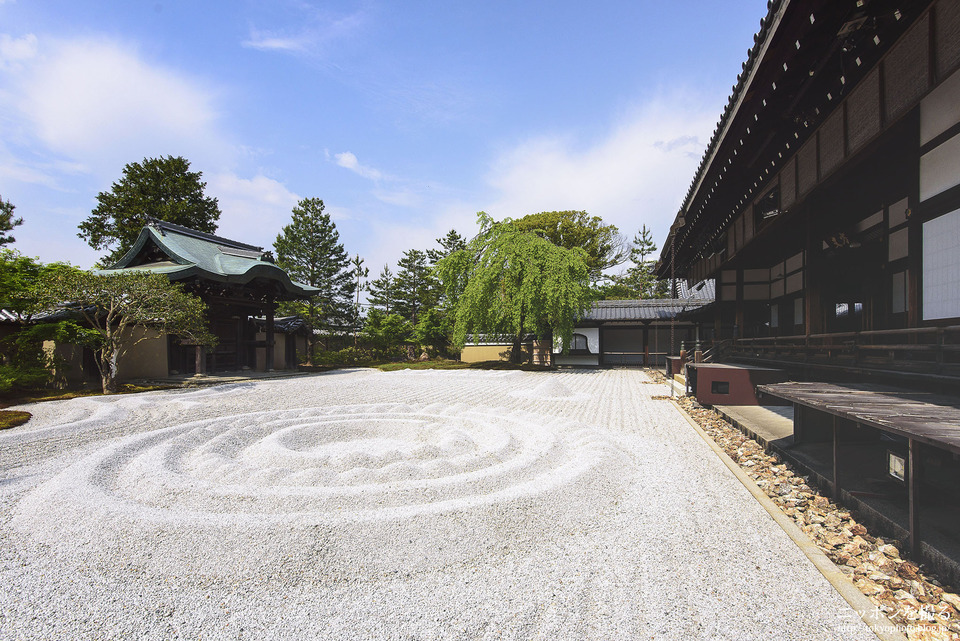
(108, 372)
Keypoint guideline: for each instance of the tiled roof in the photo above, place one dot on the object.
(641, 310)
(189, 253)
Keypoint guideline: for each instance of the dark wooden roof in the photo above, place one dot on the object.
(805, 57)
(925, 417)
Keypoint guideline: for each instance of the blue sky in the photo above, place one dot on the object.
(406, 118)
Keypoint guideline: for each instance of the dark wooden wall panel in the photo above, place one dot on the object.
(807, 164)
(947, 26)
(906, 70)
(863, 111)
(788, 184)
(831, 142)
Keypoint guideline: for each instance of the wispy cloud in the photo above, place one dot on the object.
(270, 42)
(14, 51)
(348, 160)
(636, 174)
(314, 31)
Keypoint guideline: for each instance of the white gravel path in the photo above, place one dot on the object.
(405, 505)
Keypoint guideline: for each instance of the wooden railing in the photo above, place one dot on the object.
(925, 350)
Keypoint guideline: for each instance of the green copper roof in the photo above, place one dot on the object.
(182, 253)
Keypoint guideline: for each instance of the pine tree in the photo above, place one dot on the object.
(7, 221)
(383, 291)
(416, 288)
(309, 249)
(450, 243)
(161, 188)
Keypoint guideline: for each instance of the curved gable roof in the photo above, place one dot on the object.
(182, 253)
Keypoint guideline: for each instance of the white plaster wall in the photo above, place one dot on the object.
(941, 267)
(593, 339)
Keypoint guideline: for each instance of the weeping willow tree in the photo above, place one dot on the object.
(510, 281)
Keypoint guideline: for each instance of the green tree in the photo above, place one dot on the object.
(383, 291)
(7, 221)
(433, 330)
(18, 278)
(23, 362)
(161, 188)
(512, 281)
(119, 306)
(386, 333)
(309, 249)
(639, 281)
(450, 243)
(416, 290)
(603, 244)
(360, 272)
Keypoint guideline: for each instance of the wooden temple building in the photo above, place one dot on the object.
(241, 286)
(827, 208)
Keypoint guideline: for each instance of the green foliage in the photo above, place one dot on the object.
(450, 243)
(512, 281)
(161, 188)
(643, 246)
(415, 288)
(638, 281)
(434, 330)
(603, 244)
(18, 275)
(383, 291)
(7, 221)
(346, 357)
(26, 365)
(386, 332)
(310, 251)
(359, 272)
(11, 418)
(116, 306)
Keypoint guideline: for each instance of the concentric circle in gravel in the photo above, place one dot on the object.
(221, 485)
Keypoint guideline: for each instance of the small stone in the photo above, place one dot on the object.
(906, 598)
(869, 588)
(890, 550)
(908, 571)
(952, 599)
(858, 530)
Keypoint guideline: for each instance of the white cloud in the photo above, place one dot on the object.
(268, 42)
(100, 103)
(317, 32)
(253, 209)
(637, 174)
(16, 50)
(348, 160)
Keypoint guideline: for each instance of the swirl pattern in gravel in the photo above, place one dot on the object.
(370, 505)
(224, 484)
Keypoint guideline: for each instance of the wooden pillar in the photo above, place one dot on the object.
(798, 416)
(913, 497)
(836, 462)
(268, 365)
(646, 344)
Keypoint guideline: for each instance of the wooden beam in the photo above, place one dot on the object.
(268, 365)
(913, 497)
(836, 463)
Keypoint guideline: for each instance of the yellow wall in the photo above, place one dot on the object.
(480, 353)
(146, 359)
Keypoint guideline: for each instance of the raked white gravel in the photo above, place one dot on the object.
(406, 505)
